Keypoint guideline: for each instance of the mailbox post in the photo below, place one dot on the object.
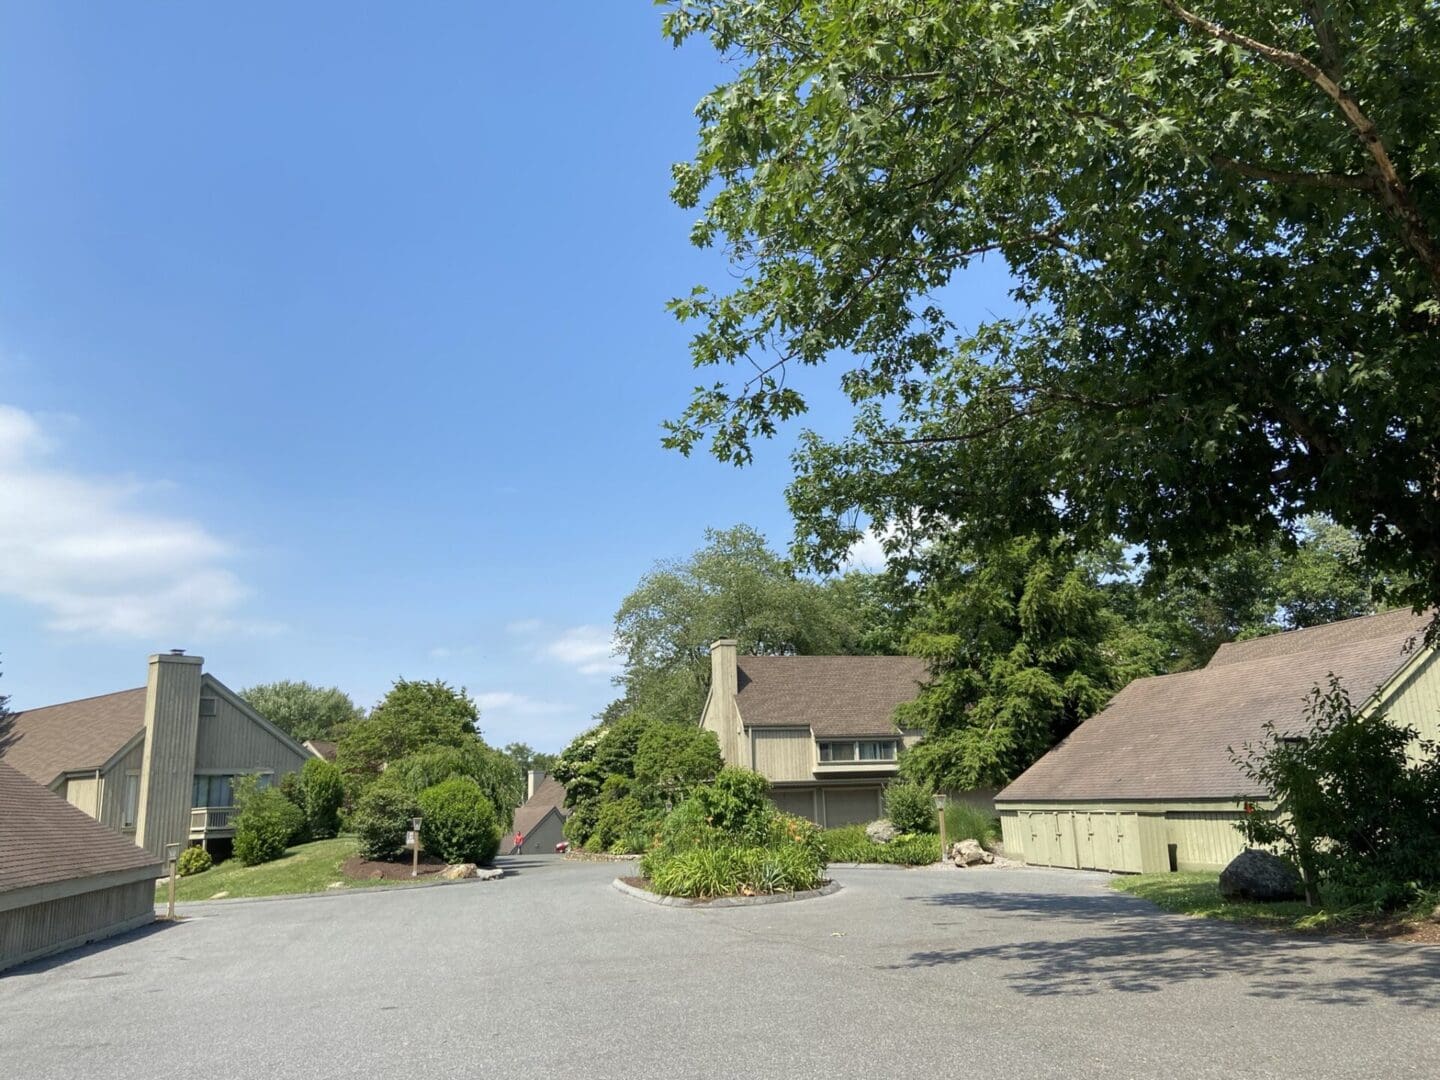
(172, 857)
(414, 839)
(940, 812)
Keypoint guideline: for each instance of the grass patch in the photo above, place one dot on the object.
(966, 822)
(304, 868)
(1198, 893)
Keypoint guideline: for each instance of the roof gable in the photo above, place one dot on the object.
(73, 736)
(46, 840)
(834, 696)
(1169, 736)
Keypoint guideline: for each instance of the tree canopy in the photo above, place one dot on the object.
(732, 587)
(1221, 225)
(413, 715)
(527, 757)
(303, 710)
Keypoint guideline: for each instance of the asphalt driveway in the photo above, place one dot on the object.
(551, 973)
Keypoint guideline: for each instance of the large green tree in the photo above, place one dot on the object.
(1221, 220)
(413, 715)
(303, 710)
(732, 587)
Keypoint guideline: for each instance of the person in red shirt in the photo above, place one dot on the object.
(519, 844)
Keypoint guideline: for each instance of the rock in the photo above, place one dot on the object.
(970, 853)
(1259, 875)
(458, 870)
(882, 831)
(220, 896)
(489, 873)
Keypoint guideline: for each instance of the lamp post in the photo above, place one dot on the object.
(172, 856)
(940, 813)
(415, 846)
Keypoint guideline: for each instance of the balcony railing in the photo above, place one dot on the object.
(211, 820)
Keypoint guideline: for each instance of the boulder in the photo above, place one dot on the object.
(1259, 875)
(882, 831)
(969, 853)
(457, 871)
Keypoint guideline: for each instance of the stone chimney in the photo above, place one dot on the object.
(167, 767)
(724, 684)
(534, 779)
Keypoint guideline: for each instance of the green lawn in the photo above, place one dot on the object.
(1198, 893)
(305, 868)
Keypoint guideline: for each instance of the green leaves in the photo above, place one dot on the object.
(1225, 312)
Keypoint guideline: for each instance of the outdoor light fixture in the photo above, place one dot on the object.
(172, 854)
(939, 801)
(940, 813)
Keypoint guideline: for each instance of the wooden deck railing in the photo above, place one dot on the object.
(209, 819)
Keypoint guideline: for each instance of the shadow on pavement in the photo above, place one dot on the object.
(1139, 949)
(47, 963)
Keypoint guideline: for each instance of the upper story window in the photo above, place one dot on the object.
(859, 750)
(208, 706)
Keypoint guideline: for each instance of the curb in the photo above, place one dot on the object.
(359, 890)
(724, 901)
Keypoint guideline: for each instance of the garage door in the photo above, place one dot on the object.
(850, 806)
(1081, 839)
(797, 801)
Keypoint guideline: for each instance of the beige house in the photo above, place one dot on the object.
(819, 728)
(155, 763)
(540, 819)
(1148, 784)
(65, 880)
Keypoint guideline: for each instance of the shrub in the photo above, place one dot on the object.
(459, 823)
(913, 849)
(848, 843)
(911, 807)
(619, 824)
(268, 824)
(497, 774)
(735, 803)
(193, 860)
(1354, 811)
(382, 817)
(322, 791)
(966, 822)
(729, 870)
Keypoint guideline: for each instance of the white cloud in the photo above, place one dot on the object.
(85, 552)
(867, 553)
(590, 650)
(524, 627)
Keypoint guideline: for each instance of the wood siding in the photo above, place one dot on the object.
(230, 741)
(172, 713)
(52, 925)
(782, 754)
(1415, 701)
(112, 795)
(83, 793)
(1204, 840)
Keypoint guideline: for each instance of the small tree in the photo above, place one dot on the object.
(670, 759)
(910, 807)
(322, 791)
(382, 817)
(267, 824)
(1353, 810)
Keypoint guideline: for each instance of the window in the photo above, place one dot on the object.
(212, 791)
(878, 750)
(207, 706)
(131, 810)
(863, 750)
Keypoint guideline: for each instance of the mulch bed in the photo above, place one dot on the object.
(361, 869)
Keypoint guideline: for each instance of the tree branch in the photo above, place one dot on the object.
(1392, 190)
(1335, 181)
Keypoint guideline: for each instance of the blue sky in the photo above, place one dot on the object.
(333, 346)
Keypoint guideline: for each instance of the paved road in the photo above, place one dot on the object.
(551, 973)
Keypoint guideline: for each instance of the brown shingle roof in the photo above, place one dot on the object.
(43, 743)
(1167, 737)
(323, 748)
(832, 695)
(548, 796)
(46, 840)
(1345, 632)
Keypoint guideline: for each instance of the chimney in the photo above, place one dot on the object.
(534, 779)
(167, 765)
(724, 684)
